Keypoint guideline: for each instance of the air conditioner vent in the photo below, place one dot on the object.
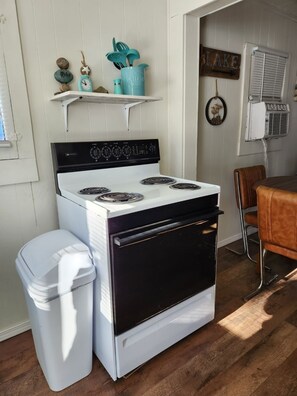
(277, 125)
(267, 121)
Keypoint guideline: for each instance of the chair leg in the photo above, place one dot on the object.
(261, 284)
(262, 275)
(236, 251)
(245, 249)
(244, 238)
(267, 269)
(254, 241)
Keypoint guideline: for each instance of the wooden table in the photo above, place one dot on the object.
(288, 183)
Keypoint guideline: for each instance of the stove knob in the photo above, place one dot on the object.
(117, 151)
(152, 148)
(106, 152)
(95, 153)
(126, 150)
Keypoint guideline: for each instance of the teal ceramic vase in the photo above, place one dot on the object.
(133, 80)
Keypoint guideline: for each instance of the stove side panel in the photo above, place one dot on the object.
(92, 230)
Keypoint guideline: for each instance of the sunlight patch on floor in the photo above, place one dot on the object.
(250, 318)
(246, 320)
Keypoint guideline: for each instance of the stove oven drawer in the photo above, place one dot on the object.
(138, 345)
(157, 267)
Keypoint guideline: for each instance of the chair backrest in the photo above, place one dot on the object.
(277, 215)
(244, 179)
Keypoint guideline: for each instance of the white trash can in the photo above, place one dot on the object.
(57, 275)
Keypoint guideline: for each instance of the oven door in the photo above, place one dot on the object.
(156, 267)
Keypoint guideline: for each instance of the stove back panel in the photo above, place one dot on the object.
(79, 156)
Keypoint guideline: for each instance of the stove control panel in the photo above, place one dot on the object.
(75, 156)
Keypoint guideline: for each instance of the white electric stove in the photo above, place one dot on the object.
(153, 241)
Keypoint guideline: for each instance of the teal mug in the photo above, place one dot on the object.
(133, 80)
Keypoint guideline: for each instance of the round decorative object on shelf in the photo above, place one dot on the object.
(62, 63)
(63, 75)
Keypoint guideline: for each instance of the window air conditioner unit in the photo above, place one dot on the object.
(267, 120)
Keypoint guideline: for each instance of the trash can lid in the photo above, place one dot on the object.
(53, 264)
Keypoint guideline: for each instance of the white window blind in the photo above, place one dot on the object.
(6, 116)
(267, 77)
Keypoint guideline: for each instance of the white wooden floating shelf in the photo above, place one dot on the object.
(127, 101)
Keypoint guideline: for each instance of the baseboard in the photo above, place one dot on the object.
(236, 237)
(15, 330)
(231, 239)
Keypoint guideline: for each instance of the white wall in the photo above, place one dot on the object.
(229, 30)
(51, 29)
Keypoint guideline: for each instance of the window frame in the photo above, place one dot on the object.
(20, 167)
(254, 147)
(6, 108)
(268, 74)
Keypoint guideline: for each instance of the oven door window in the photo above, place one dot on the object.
(154, 269)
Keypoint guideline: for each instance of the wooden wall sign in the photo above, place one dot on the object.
(217, 63)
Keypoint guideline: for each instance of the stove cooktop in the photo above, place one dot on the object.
(90, 173)
(127, 179)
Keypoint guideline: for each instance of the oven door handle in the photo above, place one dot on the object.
(153, 233)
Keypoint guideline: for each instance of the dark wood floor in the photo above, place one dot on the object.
(249, 349)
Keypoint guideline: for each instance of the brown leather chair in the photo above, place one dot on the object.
(246, 199)
(277, 215)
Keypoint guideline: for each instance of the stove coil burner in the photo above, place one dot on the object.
(158, 180)
(122, 197)
(185, 186)
(94, 190)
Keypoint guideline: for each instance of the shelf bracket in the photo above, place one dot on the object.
(127, 108)
(65, 105)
